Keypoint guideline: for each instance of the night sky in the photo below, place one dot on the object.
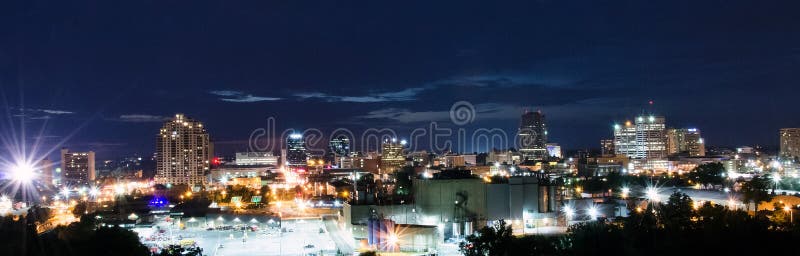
(103, 75)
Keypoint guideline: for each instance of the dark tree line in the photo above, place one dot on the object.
(19, 237)
(676, 227)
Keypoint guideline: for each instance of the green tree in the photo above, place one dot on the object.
(490, 241)
(756, 190)
(677, 212)
(709, 174)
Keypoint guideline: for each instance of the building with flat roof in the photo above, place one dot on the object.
(256, 158)
(77, 168)
(685, 141)
(392, 155)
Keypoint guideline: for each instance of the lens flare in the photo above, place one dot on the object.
(22, 173)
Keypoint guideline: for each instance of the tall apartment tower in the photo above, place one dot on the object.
(790, 142)
(77, 168)
(685, 141)
(295, 151)
(644, 139)
(183, 152)
(532, 136)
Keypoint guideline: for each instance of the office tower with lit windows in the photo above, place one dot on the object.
(625, 139)
(77, 168)
(685, 141)
(183, 152)
(644, 139)
(392, 156)
(295, 151)
(532, 136)
(790, 142)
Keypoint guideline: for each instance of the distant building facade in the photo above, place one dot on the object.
(532, 136)
(607, 147)
(183, 152)
(77, 168)
(296, 151)
(256, 158)
(790, 142)
(554, 150)
(392, 155)
(685, 141)
(339, 151)
(644, 139)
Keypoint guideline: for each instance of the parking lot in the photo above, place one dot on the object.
(299, 237)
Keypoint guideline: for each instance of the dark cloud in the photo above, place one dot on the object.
(142, 118)
(241, 97)
(718, 66)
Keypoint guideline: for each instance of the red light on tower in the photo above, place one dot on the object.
(215, 161)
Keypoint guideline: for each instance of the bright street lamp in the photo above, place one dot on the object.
(22, 173)
(625, 192)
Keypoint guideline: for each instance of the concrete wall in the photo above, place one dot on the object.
(436, 199)
(497, 201)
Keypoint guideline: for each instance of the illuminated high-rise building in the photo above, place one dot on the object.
(644, 139)
(685, 141)
(625, 139)
(77, 168)
(392, 156)
(532, 136)
(790, 142)
(183, 152)
(295, 151)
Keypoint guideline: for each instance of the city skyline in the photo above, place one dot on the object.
(152, 128)
(247, 66)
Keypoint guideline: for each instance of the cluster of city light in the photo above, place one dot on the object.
(592, 211)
